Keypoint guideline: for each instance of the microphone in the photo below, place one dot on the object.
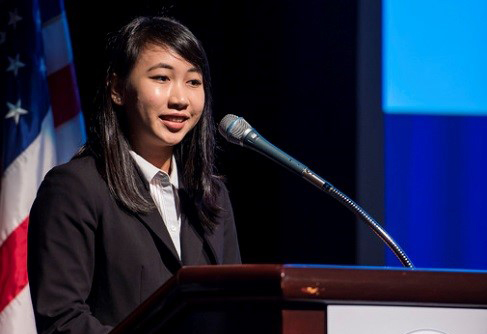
(238, 131)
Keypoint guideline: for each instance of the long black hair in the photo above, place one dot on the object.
(108, 138)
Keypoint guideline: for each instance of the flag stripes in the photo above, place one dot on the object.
(42, 126)
(12, 255)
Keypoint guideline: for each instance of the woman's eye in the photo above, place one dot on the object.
(161, 78)
(195, 83)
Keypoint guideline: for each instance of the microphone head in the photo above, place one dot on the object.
(233, 128)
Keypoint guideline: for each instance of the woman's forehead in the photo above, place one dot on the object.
(152, 53)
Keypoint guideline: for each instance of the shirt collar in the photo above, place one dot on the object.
(150, 171)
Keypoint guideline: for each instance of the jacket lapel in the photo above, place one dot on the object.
(196, 248)
(191, 245)
(154, 223)
(215, 243)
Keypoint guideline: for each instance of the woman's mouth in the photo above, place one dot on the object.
(177, 119)
(173, 123)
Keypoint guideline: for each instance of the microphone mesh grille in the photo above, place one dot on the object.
(233, 128)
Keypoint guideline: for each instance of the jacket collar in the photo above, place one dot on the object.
(154, 223)
(197, 244)
(149, 171)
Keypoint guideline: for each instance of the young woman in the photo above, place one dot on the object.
(141, 199)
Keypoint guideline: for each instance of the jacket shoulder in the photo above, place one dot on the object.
(80, 171)
(78, 179)
(83, 166)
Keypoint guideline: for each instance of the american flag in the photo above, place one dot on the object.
(41, 124)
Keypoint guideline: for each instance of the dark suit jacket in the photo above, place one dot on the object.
(91, 262)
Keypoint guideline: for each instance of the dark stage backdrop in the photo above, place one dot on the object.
(289, 68)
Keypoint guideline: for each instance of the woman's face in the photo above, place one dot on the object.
(163, 98)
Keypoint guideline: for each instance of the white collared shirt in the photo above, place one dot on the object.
(164, 192)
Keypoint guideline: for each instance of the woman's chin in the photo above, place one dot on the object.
(171, 141)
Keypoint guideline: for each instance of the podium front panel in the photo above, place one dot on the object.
(352, 319)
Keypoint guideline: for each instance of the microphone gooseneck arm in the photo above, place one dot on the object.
(236, 130)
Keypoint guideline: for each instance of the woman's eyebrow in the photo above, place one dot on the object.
(169, 67)
(160, 65)
(194, 69)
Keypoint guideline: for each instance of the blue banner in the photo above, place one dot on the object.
(435, 104)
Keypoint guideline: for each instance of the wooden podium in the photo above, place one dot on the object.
(294, 299)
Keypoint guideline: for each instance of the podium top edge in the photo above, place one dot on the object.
(351, 267)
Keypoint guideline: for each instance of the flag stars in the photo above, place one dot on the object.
(14, 18)
(15, 111)
(15, 64)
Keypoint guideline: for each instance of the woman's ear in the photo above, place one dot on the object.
(116, 90)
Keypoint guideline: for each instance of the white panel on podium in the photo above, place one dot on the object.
(346, 319)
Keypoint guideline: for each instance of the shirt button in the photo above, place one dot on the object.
(173, 228)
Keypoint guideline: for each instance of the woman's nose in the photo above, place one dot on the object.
(177, 98)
